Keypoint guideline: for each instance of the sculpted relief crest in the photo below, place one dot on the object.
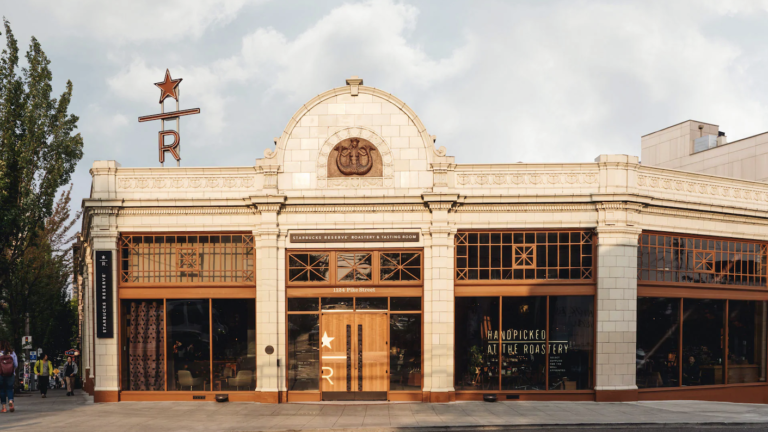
(354, 157)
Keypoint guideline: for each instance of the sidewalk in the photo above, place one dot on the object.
(79, 413)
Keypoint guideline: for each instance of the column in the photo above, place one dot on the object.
(616, 313)
(439, 302)
(270, 305)
(105, 365)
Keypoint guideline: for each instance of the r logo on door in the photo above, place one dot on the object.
(328, 377)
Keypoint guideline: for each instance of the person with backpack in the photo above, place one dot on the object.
(70, 370)
(8, 365)
(44, 370)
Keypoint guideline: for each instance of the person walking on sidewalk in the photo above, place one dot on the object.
(8, 365)
(44, 371)
(70, 371)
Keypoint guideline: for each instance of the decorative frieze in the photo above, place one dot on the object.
(512, 179)
(141, 211)
(524, 208)
(708, 189)
(185, 182)
(380, 208)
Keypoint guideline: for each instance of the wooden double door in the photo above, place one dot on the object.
(354, 356)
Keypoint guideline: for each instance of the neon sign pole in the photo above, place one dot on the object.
(169, 87)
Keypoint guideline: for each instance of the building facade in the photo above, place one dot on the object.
(357, 261)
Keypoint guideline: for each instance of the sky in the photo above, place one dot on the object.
(495, 81)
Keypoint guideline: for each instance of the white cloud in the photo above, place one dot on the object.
(140, 20)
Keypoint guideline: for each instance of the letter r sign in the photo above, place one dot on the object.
(170, 148)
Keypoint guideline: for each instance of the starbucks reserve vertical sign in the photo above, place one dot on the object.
(104, 328)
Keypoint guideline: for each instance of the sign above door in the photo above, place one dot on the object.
(354, 237)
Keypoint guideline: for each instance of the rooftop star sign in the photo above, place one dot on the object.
(169, 87)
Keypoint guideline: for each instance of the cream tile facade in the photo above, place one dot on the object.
(421, 190)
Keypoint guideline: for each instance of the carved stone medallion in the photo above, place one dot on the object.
(354, 157)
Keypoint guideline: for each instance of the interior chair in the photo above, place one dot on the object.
(227, 372)
(187, 380)
(243, 379)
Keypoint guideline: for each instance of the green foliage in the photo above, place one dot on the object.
(38, 154)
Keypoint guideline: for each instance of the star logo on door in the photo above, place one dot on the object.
(326, 340)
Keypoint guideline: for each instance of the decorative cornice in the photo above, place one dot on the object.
(700, 215)
(440, 205)
(187, 211)
(373, 208)
(700, 188)
(196, 182)
(528, 179)
(268, 208)
(524, 208)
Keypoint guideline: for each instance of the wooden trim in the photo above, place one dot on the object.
(165, 341)
(530, 395)
(176, 285)
(210, 344)
(616, 395)
(524, 291)
(186, 396)
(701, 286)
(187, 293)
(524, 282)
(700, 293)
(725, 340)
(404, 396)
(703, 237)
(442, 397)
(106, 396)
(737, 393)
(303, 396)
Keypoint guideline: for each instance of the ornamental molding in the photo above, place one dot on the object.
(187, 211)
(381, 208)
(493, 179)
(440, 205)
(702, 188)
(387, 180)
(524, 208)
(196, 182)
(700, 215)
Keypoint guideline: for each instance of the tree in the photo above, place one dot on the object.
(38, 153)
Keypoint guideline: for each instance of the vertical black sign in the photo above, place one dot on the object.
(104, 294)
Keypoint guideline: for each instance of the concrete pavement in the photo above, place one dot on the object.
(79, 413)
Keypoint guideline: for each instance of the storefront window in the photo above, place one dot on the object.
(746, 341)
(703, 340)
(658, 338)
(212, 258)
(405, 303)
(405, 351)
(524, 255)
(477, 337)
(234, 344)
(675, 258)
(571, 336)
(143, 359)
(303, 351)
(371, 303)
(523, 343)
(189, 361)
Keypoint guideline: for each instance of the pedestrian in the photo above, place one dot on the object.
(8, 365)
(44, 371)
(70, 371)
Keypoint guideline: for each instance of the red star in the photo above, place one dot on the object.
(168, 87)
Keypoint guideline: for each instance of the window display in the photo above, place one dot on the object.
(658, 338)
